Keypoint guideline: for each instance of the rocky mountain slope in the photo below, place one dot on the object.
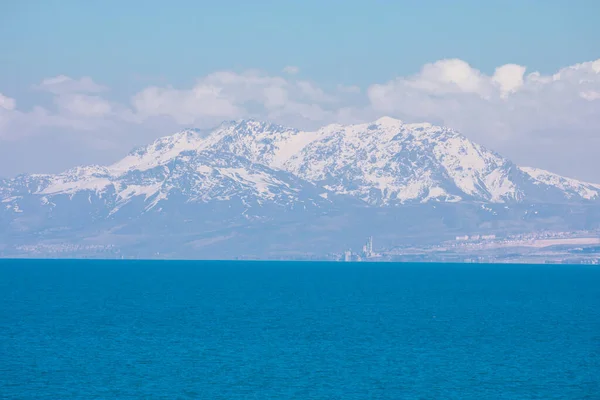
(248, 171)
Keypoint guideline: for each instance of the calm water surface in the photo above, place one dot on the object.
(250, 330)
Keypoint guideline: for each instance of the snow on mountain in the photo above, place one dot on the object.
(389, 162)
(260, 142)
(92, 178)
(187, 178)
(203, 176)
(159, 152)
(570, 187)
(262, 189)
(386, 162)
(383, 163)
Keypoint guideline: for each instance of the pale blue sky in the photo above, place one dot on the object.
(549, 120)
(132, 43)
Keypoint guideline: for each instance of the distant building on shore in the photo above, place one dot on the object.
(368, 247)
(367, 252)
(475, 238)
(348, 255)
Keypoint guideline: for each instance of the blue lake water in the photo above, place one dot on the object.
(252, 330)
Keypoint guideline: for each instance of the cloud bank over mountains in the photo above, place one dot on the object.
(551, 121)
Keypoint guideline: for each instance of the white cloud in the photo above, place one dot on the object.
(84, 105)
(550, 121)
(448, 76)
(509, 78)
(314, 93)
(7, 103)
(73, 110)
(275, 97)
(292, 70)
(185, 106)
(229, 95)
(63, 84)
(590, 95)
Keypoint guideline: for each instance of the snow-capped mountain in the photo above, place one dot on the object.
(188, 177)
(248, 171)
(385, 162)
(571, 188)
(388, 162)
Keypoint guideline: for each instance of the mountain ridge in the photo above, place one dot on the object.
(384, 162)
(254, 187)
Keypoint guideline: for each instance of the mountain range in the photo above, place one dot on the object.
(256, 189)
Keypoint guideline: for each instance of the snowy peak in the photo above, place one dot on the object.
(248, 138)
(571, 187)
(388, 162)
(382, 163)
(159, 152)
(259, 142)
(389, 121)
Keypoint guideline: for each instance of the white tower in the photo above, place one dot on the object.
(347, 256)
(368, 248)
